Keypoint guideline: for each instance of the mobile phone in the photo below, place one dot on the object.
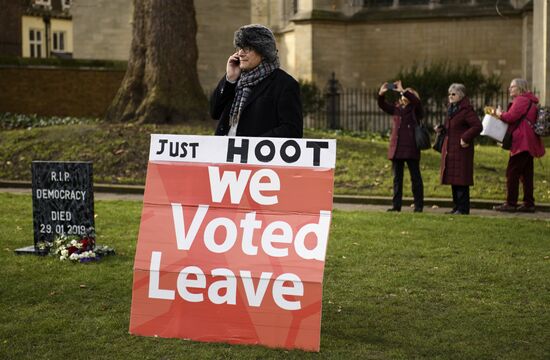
(236, 61)
(390, 86)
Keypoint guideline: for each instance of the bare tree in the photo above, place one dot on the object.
(161, 84)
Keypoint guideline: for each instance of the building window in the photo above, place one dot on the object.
(58, 41)
(35, 43)
(378, 3)
(44, 3)
(460, 2)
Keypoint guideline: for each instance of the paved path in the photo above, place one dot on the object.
(429, 208)
(434, 209)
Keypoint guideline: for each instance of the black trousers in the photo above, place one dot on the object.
(416, 182)
(461, 198)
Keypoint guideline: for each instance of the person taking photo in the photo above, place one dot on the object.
(402, 149)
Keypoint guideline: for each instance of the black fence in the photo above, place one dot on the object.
(357, 109)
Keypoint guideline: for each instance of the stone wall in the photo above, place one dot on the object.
(103, 30)
(57, 91)
(368, 44)
(217, 22)
(367, 54)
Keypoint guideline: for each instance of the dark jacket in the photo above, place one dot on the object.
(274, 108)
(402, 143)
(457, 163)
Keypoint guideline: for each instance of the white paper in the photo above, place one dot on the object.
(494, 128)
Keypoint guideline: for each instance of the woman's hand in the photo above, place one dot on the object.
(383, 89)
(464, 144)
(399, 86)
(232, 69)
(498, 112)
(438, 129)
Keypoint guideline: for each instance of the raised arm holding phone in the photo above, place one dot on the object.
(256, 97)
(406, 114)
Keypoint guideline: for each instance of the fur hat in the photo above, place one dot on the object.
(259, 38)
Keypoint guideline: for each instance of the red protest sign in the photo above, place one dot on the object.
(232, 240)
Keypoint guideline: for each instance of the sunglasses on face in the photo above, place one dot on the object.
(452, 94)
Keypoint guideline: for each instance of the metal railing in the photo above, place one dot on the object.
(357, 109)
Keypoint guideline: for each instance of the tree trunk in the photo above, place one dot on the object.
(161, 84)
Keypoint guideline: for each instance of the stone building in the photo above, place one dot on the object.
(103, 30)
(366, 42)
(35, 28)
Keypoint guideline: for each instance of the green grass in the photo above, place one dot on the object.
(362, 168)
(397, 286)
(120, 152)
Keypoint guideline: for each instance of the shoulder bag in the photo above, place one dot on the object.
(421, 135)
(439, 139)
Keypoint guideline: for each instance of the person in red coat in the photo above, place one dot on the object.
(462, 125)
(402, 149)
(526, 145)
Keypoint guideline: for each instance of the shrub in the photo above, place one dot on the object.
(22, 121)
(67, 63)
(312, 97)
(432, 82)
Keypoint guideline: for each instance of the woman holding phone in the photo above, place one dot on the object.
(402, 149)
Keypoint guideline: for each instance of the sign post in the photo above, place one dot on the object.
(232, 240)
(62, 199)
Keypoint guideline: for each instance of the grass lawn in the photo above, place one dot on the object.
(120, 152)
(397, 286)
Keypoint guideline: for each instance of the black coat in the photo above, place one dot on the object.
(274, 108)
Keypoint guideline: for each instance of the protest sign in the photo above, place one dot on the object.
(232, 240)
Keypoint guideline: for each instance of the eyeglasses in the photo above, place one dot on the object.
(452, 94)
(245, 49)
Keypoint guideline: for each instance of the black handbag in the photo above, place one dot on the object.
(507, 140)
(421, 135)
(439, 139)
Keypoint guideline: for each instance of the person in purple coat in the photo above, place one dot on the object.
(456, 168)
(526, 145)
(406, 114)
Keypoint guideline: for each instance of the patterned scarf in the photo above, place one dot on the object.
(246, 82)
(452, 110)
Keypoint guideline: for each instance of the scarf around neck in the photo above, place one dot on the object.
(453, 109)
(246, 82)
